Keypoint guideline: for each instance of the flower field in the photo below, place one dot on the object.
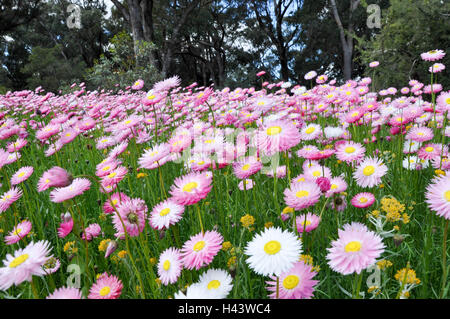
(281, 191)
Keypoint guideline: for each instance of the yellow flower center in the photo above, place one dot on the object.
(291, 281)
(112, 175)
(164, 212)
(355, 114)
(189, 187)
(209, 141)
(201, 163)
(199, 245)
(301, 194)
(301, 179)
(420, 134)
(17, 231)
(151, 97)
(350, 149)
(316, 173)
(18, 261)
(274, 130)
(353, 246)
(447, 100)
(104, 291)
(246, 167)
(334, 186)
(213, 284)
(272, 247)
(115, 201)
(306, 223)
(166, 265)
(310, 130)
(363, 200)
(368, 170)
(128, 122)
(21, 174)
(429, 149)
(447, 195)
(106, 168)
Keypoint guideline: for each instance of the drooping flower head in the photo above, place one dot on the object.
(133, 214)
(20, 231)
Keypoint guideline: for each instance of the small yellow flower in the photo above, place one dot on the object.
(373, 289)
(381, 185)
(226, 246)
(247, 220)
(375, 213)
(153, 260)
(103, 244)
(231, 261)
(410, 277)
(158, 281)
(122, 254)
(383, 264)
(405, 218)
(268, 225)
(396, 227)
(307, 259)
(141, 175)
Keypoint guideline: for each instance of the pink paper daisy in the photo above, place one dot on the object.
(276, 136)
(91, 231)
(22, 175)
(363, 200)
(420, 134)
(54, 177)
(24, 264)
(169, 266)
(438, 196)
(133, 214)
(200, 250)
(20, 231)
(297, 283)
(350, 151)
(369, 172)
(165, 214)
(78, 187)
(356, 249)
(191, 188)
(9, 198)
(307, 222)
(65, 293)
(302, 195)
(106, 287)
(246, 167)
(116, 199)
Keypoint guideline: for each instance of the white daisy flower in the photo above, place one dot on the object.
(273, 252)
(217, 282)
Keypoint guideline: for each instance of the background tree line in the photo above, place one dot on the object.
(224, 42)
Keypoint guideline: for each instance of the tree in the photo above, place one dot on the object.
(409, 28)
(274, 23)
(14, 13)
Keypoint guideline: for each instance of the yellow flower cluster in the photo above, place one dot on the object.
(141, 175)
(393, 209)
(383, 264)
(247, 220)
(226, 246)
(308, 260)
(70, 248)
(231, 261)
(268, 225)
(410, 276)
(288, 210)
(103, 244)
(122, 254)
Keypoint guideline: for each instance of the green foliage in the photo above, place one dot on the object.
(409, 28)
(50, 69)
(119, 67)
